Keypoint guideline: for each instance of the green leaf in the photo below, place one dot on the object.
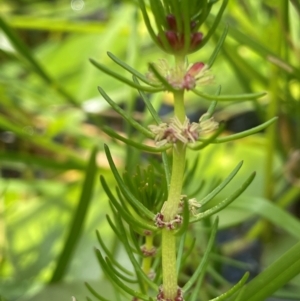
(180, 251)
(109, 254)
(231, 262)
(233, 290)
(212, 106)
(136, 240)
(158, 14)
(22, 49)
(133, 260)
(244, 71)
(40, 162)
(204, 261)
(94, 293)
(128, 118)
(134, 72)
(55, 25)
(44, 142)
(218, 47)
(123, 79)
(190, 171)
(273, 277)
(113, 226)
(268, 210)
(167, 168)
(148, 23)
(132, 143)
(110, 271)
(241, 97)
(264, 52)
(131, 220)
(195, 192)
(244, 133)
(79, 217)
(239, 295)
(188, 251)
(175, 9)
(185, 13)
(220, 187)
(118, 274)
(135, 203)
(215, 24)
(225, 202)
(148, 104)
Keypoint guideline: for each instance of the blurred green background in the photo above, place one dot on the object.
(51, 116)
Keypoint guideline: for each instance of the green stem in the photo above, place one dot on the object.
(169, 210)
(169, 264)
(179, 109)
(170, 207)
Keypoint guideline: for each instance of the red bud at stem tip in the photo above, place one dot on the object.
(196, 39)
(171, 20)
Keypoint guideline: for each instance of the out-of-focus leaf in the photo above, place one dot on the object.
(266, 209)
(76, 226)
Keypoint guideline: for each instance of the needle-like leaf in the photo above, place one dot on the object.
(218, 47)
(148, 23)
(132, 143)
(116, 280)
(133, 260)
(180, 252)
(212, 107)
(127, 217)
(219, 188)
(128, 118)
(202, 266)
(123, 79)
(94, 293)
(233, 290)
(239, 97)
(76, 226)
(225, 202)
(148, 103)
(109, 254)
(131, 70)
(124, 189)
(34, 63)
(215, 24)
(118, 274)
(244, 133)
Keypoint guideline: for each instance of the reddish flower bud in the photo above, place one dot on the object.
(195, 69)
(196, 39)
(171, 20)
(172, 39)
